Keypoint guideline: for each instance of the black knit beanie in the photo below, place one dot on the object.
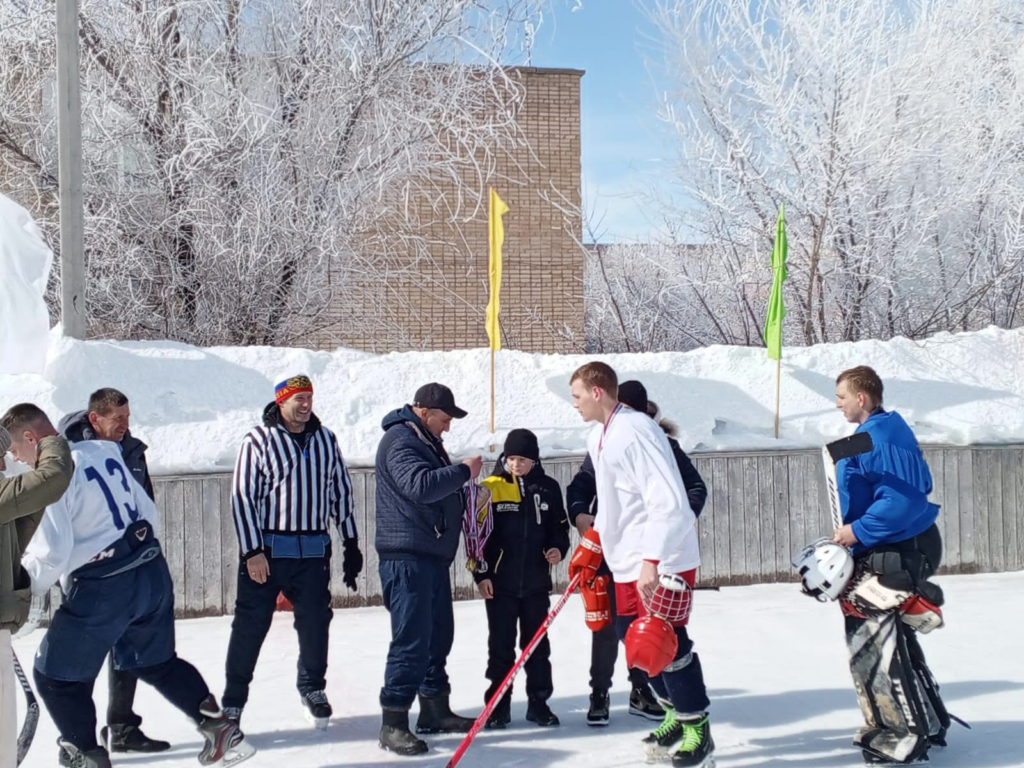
(633, 394)
(522, 442)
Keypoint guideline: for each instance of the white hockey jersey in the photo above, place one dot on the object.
(644, 511)
(102, 500)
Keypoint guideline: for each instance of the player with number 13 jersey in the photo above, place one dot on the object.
(100, 542)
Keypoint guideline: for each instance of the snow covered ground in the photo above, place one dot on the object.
(774, 661)
(194, 405)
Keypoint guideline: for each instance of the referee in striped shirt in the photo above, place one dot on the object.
(290, 483)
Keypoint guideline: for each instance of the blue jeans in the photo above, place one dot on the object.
(418, 595)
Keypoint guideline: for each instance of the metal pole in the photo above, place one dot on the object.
(69, 133)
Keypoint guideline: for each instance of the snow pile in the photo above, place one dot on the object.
(781, 695)
(24, 269)
(194, 405)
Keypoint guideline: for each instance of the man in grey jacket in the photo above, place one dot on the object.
(108, 417)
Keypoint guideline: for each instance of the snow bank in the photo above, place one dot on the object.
(24, 269)
(194, 405)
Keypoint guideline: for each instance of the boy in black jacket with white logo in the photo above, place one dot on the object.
(530, 535)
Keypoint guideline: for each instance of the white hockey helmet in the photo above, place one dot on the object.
(825, 569)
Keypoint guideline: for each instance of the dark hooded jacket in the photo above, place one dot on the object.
(76, 427)
(419, 499)
(523, 531)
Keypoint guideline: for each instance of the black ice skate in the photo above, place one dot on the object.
(234, 714)
(318, 709)
(696, 750)
(76, 758)
(225, 744)
(660, 743)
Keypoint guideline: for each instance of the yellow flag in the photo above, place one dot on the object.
(497, 236)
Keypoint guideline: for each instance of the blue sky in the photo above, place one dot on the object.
(623, 142)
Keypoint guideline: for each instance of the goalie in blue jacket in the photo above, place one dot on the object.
(889, 526)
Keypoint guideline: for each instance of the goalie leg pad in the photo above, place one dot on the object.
(896, 708)
(930, 688)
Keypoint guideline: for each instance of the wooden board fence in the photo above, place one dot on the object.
(762, 507)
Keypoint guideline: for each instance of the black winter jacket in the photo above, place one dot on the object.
(75, 427)
(419, 492)
(523, 532)
(582, 491)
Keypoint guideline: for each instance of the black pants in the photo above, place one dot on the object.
(306, 584)
(70, 703)
(506, 613)
(604, 652)
(121, 700)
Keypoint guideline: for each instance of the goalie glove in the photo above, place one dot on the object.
(587, 558)
(921, 614)
(596, 605)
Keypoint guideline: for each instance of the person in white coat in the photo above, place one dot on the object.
(646, 529)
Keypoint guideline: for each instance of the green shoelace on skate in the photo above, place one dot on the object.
(692, 734)
(667, 724)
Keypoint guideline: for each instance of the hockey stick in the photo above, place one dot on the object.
(28, 728)
(507, 682)
(831, 454)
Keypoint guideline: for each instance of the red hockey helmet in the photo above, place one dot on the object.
(651, 644)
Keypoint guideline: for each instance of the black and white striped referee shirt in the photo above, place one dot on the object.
(283, 487)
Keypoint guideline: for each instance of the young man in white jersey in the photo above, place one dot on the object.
(646, 529)
(99, 541)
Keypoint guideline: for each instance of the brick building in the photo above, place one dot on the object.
(438, 302)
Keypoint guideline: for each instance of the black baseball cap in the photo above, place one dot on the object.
(434, 395)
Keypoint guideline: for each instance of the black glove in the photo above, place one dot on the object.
(352, 563)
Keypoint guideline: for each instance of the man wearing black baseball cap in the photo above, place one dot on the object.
(439, 397)
(419, 508)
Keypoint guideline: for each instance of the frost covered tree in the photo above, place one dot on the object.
(245, 160)
(893, 134)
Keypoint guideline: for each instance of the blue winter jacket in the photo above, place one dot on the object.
(884, 493)
(419, 492)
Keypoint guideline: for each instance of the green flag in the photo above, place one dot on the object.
(776, 309)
